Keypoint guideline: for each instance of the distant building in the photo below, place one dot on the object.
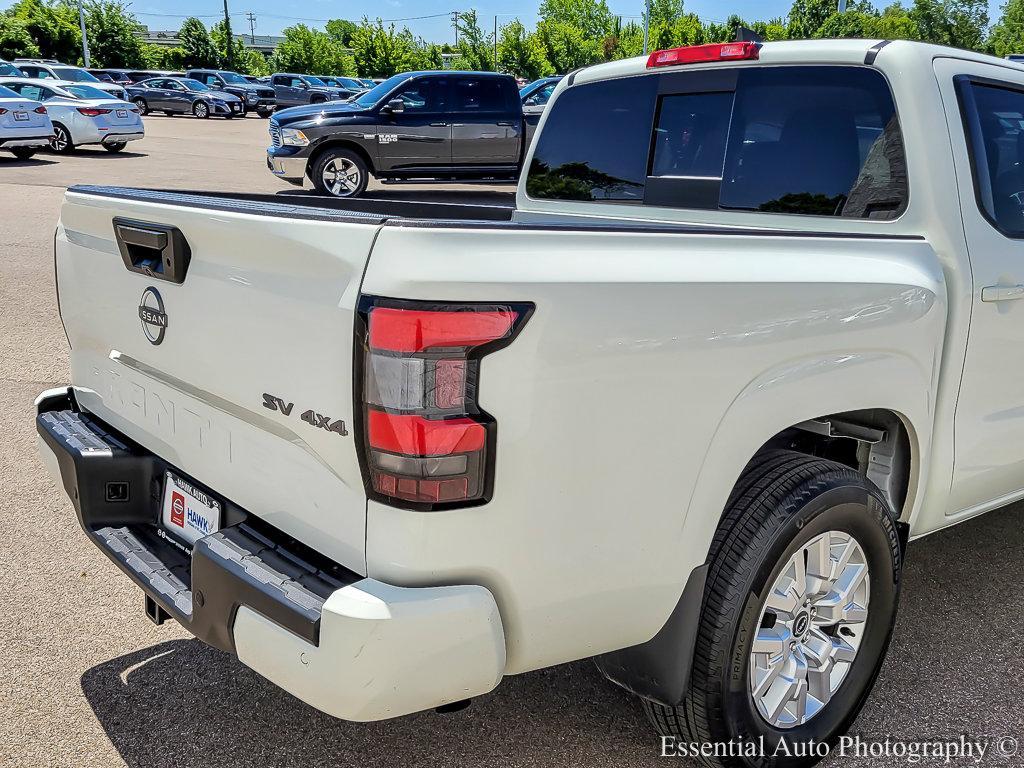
(168, 38)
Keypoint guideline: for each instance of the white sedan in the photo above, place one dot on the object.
(82, 114)
(24, 125)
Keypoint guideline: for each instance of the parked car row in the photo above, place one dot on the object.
(416, 126)
(63, 115)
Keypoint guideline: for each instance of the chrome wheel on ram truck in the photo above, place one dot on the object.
(798, 610)
(340, 173)
(810, 629)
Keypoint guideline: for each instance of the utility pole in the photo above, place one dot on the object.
(647, 26)
(455, 23)
(252, 26)
(495, 43)
(85, 37)
(229, 44)
(842, 6)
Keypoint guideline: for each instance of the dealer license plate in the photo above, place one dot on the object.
(21, 116)
(187, 511)
(122, 113)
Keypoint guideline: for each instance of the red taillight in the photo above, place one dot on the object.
(426, 441)
(702, 54)
(3, 111)
(93, 111)
(40, 110)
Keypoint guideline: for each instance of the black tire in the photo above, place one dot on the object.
(23, 153)
(264, 113)
(61, 141)
(783, 500)
(116, 146)
(142, 105)
(339, 156)
(201, 110)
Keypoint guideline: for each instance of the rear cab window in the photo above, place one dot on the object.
(810, 140)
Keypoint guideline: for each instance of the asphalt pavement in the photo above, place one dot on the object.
(86, 680)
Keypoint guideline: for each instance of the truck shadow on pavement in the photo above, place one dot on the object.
(183, 704)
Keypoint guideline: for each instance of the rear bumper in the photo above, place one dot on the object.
(25, 141)
(119, 138)
(356, 648)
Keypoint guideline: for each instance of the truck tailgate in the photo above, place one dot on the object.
(248, 388)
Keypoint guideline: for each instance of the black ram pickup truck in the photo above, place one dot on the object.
(438, 126)
(258, 98)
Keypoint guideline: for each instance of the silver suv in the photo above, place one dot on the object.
(54, 70)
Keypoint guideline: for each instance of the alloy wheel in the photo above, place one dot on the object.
(341, 177)
(201, 109)
(811, 628)
(60, 140)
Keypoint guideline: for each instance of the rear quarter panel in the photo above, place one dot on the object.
(654, 367)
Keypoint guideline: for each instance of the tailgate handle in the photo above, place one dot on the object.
(158, 251)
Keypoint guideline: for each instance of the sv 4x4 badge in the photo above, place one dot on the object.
(311, 417)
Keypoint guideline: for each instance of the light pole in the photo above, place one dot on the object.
(85, 38)
(647, 26)
(842, 6)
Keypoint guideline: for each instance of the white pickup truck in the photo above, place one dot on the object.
(752, 324)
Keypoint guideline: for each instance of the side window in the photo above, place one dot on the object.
(595, 143)
(543, 95)
(995, 121)
(821, 141)
(297, 82)
(424, 95)
(279, 80)
(31, 71)
(33, 92)
(476, 95)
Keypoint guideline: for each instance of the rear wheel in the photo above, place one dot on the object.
(116, 146)
(142, 105)
(201, 110)
(340, 173)
(798, 611)
(61, 141)
(23, 153)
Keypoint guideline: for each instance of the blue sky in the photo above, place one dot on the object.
(274, 15)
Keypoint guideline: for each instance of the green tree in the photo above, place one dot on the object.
(15, 40)
(567, 46)
(226, 45)
(52, 26)
(807, 16)
(113, 35)
(252, 62)
(161, 57)
(960, 23)
(341, 31)
(310, 51)
(894, 23)
(848, 24)
(1007, 34)
(592, 18)
(198, 47)
(382, 51)
(476, 49)
(522, 54)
